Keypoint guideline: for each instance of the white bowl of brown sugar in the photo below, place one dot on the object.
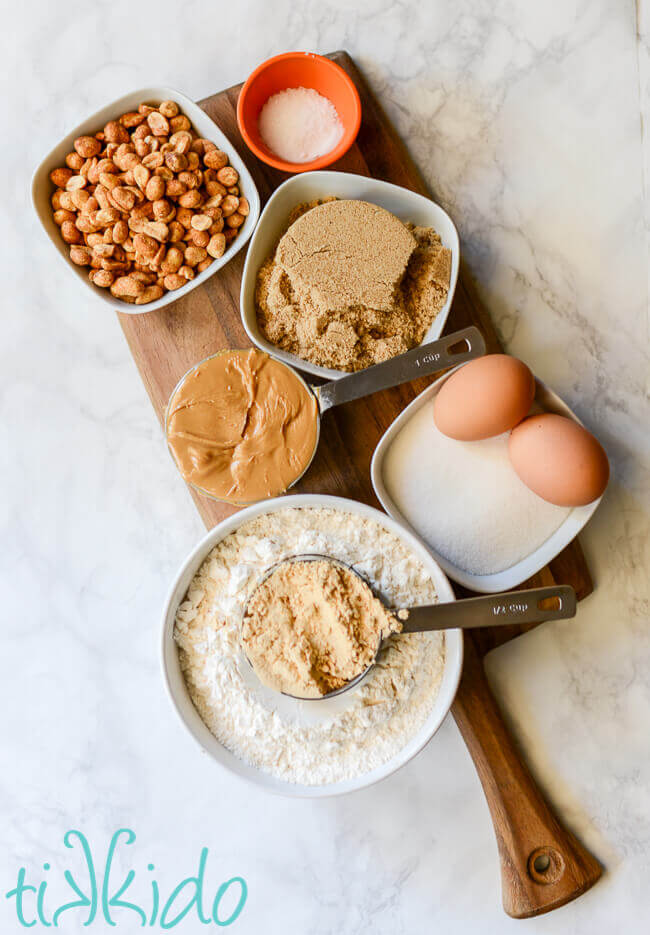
(345, 271)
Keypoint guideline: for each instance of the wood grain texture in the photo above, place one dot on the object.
(524, 824)
(167, 342)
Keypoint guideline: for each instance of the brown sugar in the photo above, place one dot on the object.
(350, 285)
(345, 253)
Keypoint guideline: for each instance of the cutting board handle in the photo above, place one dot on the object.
(543, 866)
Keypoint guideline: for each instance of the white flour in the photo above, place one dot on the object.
(308, 742)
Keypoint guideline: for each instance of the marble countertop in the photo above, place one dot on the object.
(527, 120)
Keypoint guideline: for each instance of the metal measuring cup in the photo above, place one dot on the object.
(535, 605)
(421, 361)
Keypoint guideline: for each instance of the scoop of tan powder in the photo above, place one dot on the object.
(312, 626)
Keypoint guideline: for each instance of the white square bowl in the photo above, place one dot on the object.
(405, 204)
(42, 188)
(510, 577)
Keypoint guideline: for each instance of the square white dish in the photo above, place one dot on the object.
(405, 204)
(191, 720)
(42, 188)
(531, 563)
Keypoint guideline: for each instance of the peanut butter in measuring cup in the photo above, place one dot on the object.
(241, 426)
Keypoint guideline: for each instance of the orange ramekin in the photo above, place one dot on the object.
(298, 70)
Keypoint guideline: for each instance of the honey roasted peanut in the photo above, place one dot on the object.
(194, 255)
(229, 205)
(215, 159)
(62, 215)
(217, 246)
(168, 108)
(199, 238)
(227, 176)
(102, 277)
(70, 232)
(173, 261)
(114, 132)
(155, 188)
(235, 220)
(156, 229)
(179, 123)
(174, 281)
(201, 222)
(150, 294)
(127, 286)
(142, 202)
(87, 146)
(81, 255)
(61, 177)
(74, 161)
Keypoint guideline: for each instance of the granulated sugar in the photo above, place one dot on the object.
(299, 125)
(464, 498)
(352, 734)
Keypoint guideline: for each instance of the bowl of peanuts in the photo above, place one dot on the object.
(146, 199)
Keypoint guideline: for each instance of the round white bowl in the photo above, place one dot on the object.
(42, 189)
(309, 186)
(190, 718)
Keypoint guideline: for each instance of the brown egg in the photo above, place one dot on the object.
(486, 397)
(559, 460)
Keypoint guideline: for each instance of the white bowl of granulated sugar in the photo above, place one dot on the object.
(481, 523)
(315, 748)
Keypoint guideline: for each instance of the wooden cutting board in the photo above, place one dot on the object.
(167, 342)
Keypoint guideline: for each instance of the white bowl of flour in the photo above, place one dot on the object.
(306, 748)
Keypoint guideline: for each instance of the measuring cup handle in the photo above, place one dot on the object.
(495, 610)
(419, 362)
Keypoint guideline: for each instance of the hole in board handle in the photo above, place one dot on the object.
(460, 347)
(549, 603)
(545, 865)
